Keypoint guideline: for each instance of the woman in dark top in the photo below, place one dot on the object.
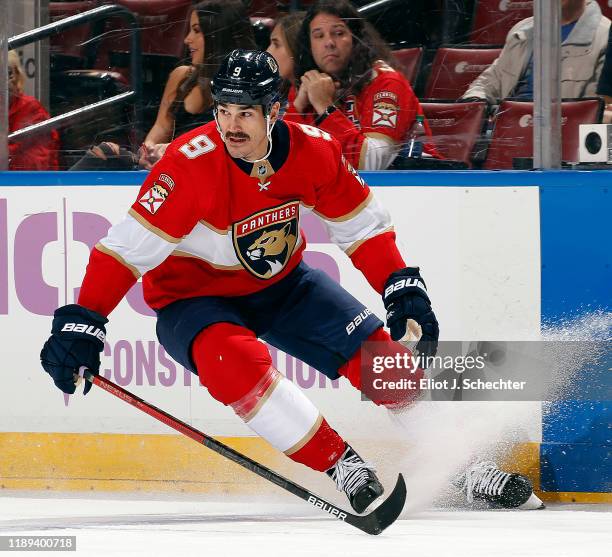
(215, 28)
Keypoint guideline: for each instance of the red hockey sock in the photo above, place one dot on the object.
(322, 450)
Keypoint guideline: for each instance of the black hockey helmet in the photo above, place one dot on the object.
(248, 77)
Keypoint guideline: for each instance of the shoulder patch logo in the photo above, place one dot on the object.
(264, 242)
(166, 180)
(384, 115)
(157, 194)
(385, 95)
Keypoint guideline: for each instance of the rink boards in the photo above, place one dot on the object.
(494, 249)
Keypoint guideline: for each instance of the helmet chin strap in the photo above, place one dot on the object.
(218, 126)
(268, 135)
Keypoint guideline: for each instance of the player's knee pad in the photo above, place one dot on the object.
(230, 361)
(359, 371)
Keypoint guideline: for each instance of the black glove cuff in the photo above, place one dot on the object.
(77, 322)
(76, 310)
(404, 281)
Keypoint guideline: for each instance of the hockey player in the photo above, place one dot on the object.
(215, 234)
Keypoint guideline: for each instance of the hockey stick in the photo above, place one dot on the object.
(373, 523)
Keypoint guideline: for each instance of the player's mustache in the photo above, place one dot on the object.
(230, 135)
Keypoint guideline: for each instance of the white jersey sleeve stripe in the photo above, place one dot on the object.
(371, 221)
(116, 256)
(179, 253)
(153, 229)
(137, 246)
(352, 249)
(210, 245)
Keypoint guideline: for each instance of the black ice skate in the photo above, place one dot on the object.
(484, 480)
(357, 479)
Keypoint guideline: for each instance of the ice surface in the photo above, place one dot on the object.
(179, 526)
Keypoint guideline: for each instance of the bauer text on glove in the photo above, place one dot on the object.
(405, 297)
(77, 338)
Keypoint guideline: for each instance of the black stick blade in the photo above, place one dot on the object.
(385, 514)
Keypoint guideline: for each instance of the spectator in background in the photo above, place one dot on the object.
(215, 28)
(284, 46)
(584, 35)
(36, 152)
(349, 88)
(604, 87)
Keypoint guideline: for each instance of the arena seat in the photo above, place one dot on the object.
(606, 7)
(268, 9)
(456, 127)
(409, 62)
(163, 26)
(513, 130)
(68, 49)
(454, 68)
(73, 89)
(494, 18)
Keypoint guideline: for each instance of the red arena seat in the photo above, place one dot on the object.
(455, 127)
(453, 69)
(266, 8)
(70, 43)
(409, 61)
(513, 130)
(494, 18)
(163, 26)
(606, 7)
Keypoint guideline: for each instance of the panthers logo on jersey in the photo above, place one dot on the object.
(265, 241)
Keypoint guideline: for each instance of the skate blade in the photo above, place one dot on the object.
(532, 504)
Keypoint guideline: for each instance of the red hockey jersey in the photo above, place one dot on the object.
(370, 124)
(203, 224)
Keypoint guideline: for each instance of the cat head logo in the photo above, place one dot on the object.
(264, 242)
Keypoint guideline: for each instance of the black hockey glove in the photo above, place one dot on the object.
(77, 338)
(405, 297)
